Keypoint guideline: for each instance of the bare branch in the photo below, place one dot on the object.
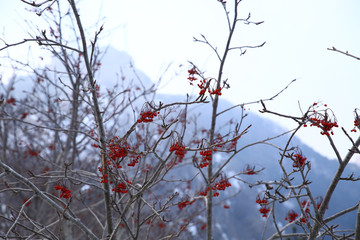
(342, 52)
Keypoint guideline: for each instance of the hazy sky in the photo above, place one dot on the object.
(157, 33)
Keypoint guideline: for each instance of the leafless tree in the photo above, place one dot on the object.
(78, 159)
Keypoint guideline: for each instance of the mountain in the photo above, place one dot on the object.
(243, 220)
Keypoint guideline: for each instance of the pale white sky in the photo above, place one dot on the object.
(297, 33)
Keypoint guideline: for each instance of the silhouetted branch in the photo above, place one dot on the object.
(342, 52)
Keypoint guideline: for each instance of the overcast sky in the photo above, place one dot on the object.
(157, 33)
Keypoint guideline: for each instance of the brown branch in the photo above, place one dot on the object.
(357, 225)
(331, 189)
(258, 101)
(37, 191)
(98, 116)
(40, 42)
(342, 52)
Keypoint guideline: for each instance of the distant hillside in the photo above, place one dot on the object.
(242, 221)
